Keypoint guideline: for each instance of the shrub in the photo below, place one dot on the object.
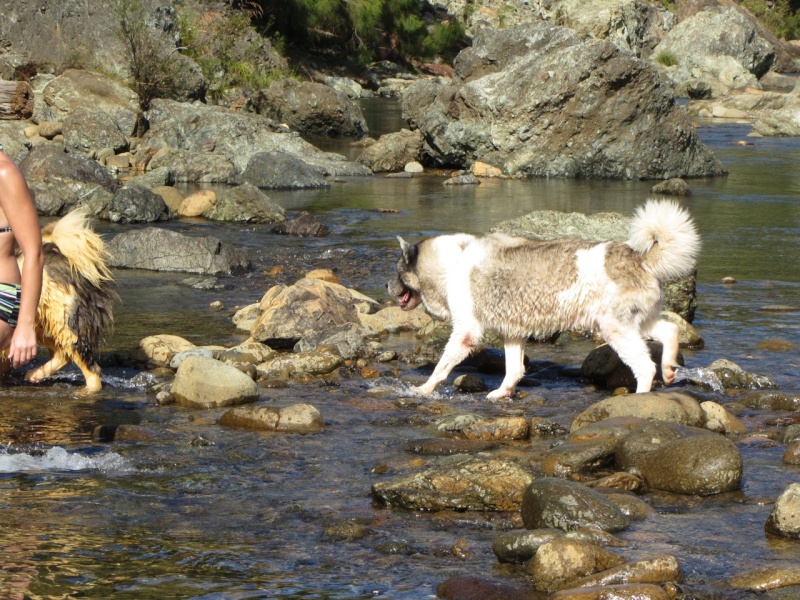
(667, 58)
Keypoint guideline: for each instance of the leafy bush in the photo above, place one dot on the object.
(151, 61)
(779, 16)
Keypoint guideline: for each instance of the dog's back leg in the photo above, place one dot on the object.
(631, 348)
(667, 333)
(461, 344)
(515, 368)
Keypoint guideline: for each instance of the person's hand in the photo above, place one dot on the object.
(23, 346)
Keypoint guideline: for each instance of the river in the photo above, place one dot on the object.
(206, 512)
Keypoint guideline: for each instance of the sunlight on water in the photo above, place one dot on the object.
(58, 459)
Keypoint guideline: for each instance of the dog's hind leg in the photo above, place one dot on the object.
(515, 368)
(460, 345)
(632, 350)
(667, 333)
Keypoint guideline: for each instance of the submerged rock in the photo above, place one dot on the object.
(466, 484)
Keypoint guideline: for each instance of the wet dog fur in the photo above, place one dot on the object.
(76, 305)
(522, 288)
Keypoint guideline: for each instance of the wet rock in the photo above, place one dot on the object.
(176, 360)
(123, 433)
(605, 368)
(791, 455)
(463, 178)
(618, 481)
(296, 418)
(350, 341)
(393, 319)
(470, 587)
(564, 504)
(784, 519)
(561, 561)
(158, 249)
(520, 546)
(501, 428)
(458, 484)
(160, 349)
(303, 225)
(245, 203)
(776, 345)
(688, 337)
(771, 400)
(305, 308)
(207, 383)
(720, 420)
(672, 187)
(630, 505)
(659, 569)
(640, 591)
(674, 407)
(732, 376)
(347, 530)
(457, 423)
(448, 446)
(470, 384)
(392, 151)
(767, 578)
(652, 435)
(280, 171)
(248, 352)
(702, 465)
(284, 365)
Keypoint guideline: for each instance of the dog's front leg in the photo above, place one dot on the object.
(460, 345)
(515, 369)
(667, 333)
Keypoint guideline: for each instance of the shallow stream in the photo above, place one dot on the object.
(202, 511)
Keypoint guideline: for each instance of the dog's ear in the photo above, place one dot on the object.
(409, 250)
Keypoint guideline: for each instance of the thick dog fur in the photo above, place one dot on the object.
(76, 305)
(522, 288)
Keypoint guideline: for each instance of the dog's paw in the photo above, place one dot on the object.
(668, 373)
(421, 390)
(500, 394)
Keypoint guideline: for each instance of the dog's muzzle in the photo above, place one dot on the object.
(407, 299)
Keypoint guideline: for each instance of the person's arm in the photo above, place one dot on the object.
(18, 206)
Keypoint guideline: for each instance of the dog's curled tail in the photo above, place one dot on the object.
(80, 245)
(664, 234)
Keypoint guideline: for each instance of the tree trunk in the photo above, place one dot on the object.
(16, 100)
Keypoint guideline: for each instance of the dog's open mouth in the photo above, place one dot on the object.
(407, 299)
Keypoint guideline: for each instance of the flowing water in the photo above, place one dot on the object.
(201, 511)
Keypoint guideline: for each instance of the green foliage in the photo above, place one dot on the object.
(363, 30)
(151, 61)
(777, 15)
(226, 55)
(667, 58)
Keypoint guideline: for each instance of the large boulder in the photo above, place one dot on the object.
(158, 249)
(719, 31)
(202, 382)
(130, 204)
(245, 203)
(393, 151)
(536, 101)
(311, 108)
(289, 314)
(78, 89)
(206, 130)
(279, 170)
(49, 160)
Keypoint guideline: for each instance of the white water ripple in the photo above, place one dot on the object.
(58, 459)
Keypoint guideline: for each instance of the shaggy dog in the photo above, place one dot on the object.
(75, 307)
(519, 287)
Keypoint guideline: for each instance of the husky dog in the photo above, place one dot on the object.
(75, 307)
(519, 287)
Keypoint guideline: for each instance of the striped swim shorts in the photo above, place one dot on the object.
(9, 302)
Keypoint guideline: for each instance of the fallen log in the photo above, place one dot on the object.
(16, 100)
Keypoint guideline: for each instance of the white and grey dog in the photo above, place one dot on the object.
(522, 288)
